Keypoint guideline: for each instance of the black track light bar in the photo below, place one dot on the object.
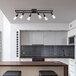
(34, 11)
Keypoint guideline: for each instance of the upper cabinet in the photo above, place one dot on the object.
(61, 38)
(37, 38)
(25, 38)
(49, 38)
(31, 38)
(55, 38)
(43, 38)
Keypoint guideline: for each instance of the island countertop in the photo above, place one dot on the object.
(36, 66)
(57, 63)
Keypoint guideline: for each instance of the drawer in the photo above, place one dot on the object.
(72, 64)
(71, 72)
(27, 59)
(72, 60)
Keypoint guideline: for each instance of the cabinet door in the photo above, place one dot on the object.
(49, 38)
(29, 38)
(61, 38)
(37, 38)
(26, 38)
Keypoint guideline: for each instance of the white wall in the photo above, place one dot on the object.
(1, 31)
(41, 26)
(1, 20)
(6, 40)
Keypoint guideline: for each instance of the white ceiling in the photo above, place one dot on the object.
(65, 10)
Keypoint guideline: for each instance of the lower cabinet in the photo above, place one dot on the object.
(71, 67)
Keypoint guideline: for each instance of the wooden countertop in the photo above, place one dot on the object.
(32, 64)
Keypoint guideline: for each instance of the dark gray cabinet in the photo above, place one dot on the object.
(55, 51)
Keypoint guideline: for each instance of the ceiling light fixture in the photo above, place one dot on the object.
(34, 11)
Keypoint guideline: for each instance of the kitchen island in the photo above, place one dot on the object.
(32, 68)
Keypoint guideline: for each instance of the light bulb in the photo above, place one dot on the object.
(29, 17)
(22, 16)
(39, 16)
(53, 16)
(15, 17)
(46, 18)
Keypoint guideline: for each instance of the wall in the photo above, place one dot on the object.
(1, 20)
(6, 40)
(41, 26)
(1, 31)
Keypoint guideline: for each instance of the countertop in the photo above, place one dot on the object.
(32, 64)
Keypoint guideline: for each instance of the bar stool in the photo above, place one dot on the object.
(47, 73)
(12, 73)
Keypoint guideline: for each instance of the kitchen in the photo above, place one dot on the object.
(59, 35)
